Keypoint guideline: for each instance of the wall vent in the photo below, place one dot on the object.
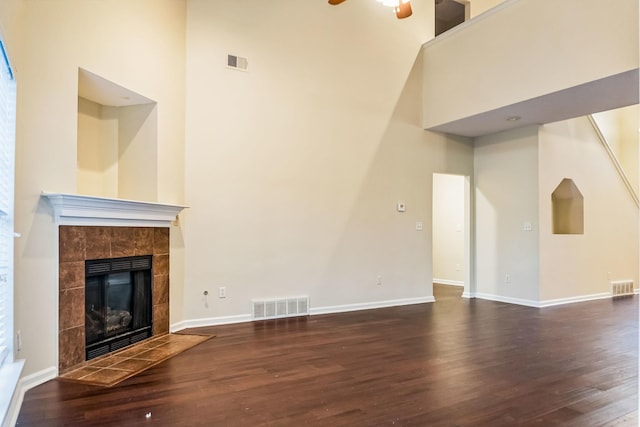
(622, 288)
(237, 62)
(279, 308)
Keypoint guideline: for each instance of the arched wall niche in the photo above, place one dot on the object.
(567, 208)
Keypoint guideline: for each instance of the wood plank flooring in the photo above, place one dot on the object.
(456, 362)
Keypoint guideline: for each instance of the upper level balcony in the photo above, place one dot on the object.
(531, 62)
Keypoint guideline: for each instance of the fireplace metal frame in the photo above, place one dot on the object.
(117, 341)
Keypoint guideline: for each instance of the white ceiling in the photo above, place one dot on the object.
(616, 91)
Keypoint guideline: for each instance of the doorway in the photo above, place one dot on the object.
(450, 13)
(451, 236)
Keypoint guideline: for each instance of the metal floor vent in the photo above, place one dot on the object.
(622, 288)
(279, 308)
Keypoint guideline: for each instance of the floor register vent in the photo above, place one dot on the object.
(279, 308)
(622, 288)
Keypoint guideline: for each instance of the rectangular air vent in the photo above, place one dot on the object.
(99, 267)
(279, 308)
(237, 62)
(104, 266)
(121, 265)
(622, 288)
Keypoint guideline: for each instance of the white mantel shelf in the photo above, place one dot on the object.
(75, 209)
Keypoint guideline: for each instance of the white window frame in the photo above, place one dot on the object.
(7, 166)
(10, 370)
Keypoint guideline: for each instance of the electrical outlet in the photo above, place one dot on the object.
(458, 267)
(18, 340)
(507, 278)
(222, 292)
(379, 281)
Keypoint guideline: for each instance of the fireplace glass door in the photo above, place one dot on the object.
(118, 303)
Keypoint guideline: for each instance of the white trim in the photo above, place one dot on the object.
(370, 305)
(9, 379)
(37, 378)
(509, 300)
(242, 318)
(571, 300)
(210, 321)
(543, 303)
(25, 384)
(448, 282)
(74, 209)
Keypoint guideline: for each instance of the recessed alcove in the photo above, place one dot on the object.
(117, 140)
(567, 208)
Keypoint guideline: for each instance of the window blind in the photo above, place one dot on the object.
(7, 161)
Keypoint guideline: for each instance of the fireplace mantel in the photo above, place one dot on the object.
(75, 209)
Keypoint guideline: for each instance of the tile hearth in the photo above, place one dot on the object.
(113, 368)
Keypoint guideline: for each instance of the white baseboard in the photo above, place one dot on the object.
(509, 300)
(543, 303)
(37, 378)
(25, 384)
(370, 305)
(210, 321)
(571, 300)
(241, 318)
(448, 282)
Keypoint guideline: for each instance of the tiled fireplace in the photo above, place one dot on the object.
(78, 244)
(98, 228)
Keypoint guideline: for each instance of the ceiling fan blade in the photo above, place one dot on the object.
(404, 10)
(335, 2)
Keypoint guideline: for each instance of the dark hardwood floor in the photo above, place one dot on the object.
(456, 362)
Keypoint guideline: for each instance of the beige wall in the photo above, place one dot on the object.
(448, 228)
(137, 140)
(506, 178)
(97, 149)
(515, 174)
(577, 265)
(620, 129)
(479, 6)
(515, 57)
(306, 155)
(138, 45)
(10, 27)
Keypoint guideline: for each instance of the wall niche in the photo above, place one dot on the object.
(568, 208)
(117, 141)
